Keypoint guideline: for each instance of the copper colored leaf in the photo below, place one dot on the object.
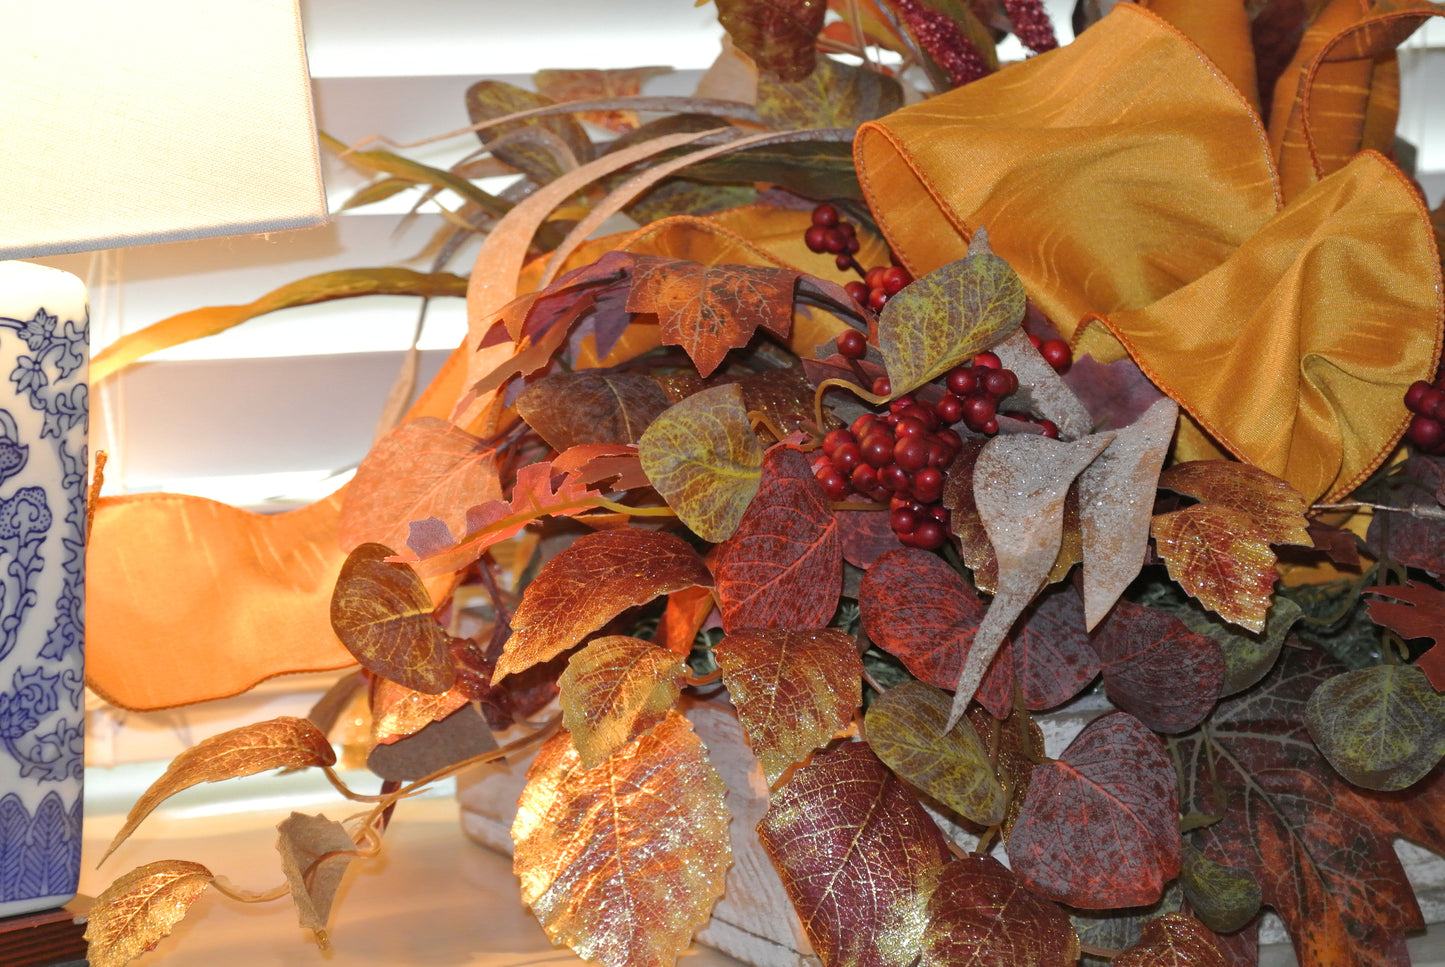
(835, 95)
(1248, 655)
(1016, 745)
(591, 582)
(981, 915)
(424, 468)
(916, 608)
(1225, 898)
(783, 566)
(1117, 774)
(948, 316)
(1217, 555)
(686, 612)
(456, 737)
(794, 690)
(907, 729)
(709, 309)
(315, 852)
(963, 520)
(1276, 508)
(1156, 668)
(383, 615)
(397, 711)
(777, 34)
(1173, 940)
(704, 459)
(1381, 728)
(588, 84)
(623, 862)
(281, 743)
(570, 409)
(614, 690)
(139, 909)
(858, 857)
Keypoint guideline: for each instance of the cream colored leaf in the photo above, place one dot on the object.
(315, 852)
(614, 690)
(139, 909)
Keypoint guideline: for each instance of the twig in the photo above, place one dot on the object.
(1422, 511)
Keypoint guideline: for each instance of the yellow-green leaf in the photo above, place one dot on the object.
(834, 95)
(139, 909)
(614, 690)
(1382, 728)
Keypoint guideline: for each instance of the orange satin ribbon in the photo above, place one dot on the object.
(1132, 185)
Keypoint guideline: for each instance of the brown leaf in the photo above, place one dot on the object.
(462, 735)
(383, 615)
(571, 409)
(917, 608)
(586, 84)
(315, 852)
(139, 909)
(866, 535)
(281, 743)
(783, 566)
(858, 856)
(1158, 670)
(1219, 556)
(779, 35)
(591, 582)
(709, 309)
(963, 519)
(1415, 541)
(424, 468)
(1276, 508)
(983, 916)
(556, 144)
(794, 690)
(623, 862)
(614, 690)
(1173, 940)
(907, 729)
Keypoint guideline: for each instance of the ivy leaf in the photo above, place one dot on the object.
(857, 855)
(529, 145)
(983, 916)
(1248, 656)
(1219, 556)
(834, 95)
(950, 315)
(1319, 847)
(315, 852)
(709, 309)
(614, 690)
(139, 909)
(571, 409)
(783, 566)
(1156, 669)
(624, 862)
(281, 743)
(591, 84)
(1173, 940)
(383, 615)
(1225, 898)
(1276, 508)
(425, 467)
(595, 579)
(704, 459)
(779, 35)
(1117, 774)
(794, 690)
(1382, 727)
(907, 727)
(917, 608)
(1422, 615)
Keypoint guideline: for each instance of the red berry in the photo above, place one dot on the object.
(977, 410)
(837, 241)
(877, 299)
(1415, 393)
(816, 239)
(949, 409)
(1034, 340)
(939, 513)
(894, 279)
(854, 246)
(1000, 383)
(929, 535)
(847, 456)
(844, 261)
(1426, 433)
(877, 450)
(852, 344)
(873, 278)
(911, 453)
(903, 521)
(864, 478)
(857, 291)
(903, 402)
(1050, 428)
(928, 484)
(895, 478)
(909, 426)
(1428, 400)
(961, 381)
(834, 484)
(922, 414)
(882, 387)
(1057, 354)
(846, 227)
(989, 360)
(989, 428)
(861, 425)
(825, 215)
(835, 439)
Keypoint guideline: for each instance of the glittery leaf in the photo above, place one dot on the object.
(280, 743)
(623, 862)
(783, 565)
(1224, 898)
(139, 909)
(1050, 397)
(570, 409)
(1381, 728)
(1276, 508)
(907, 729)
(983, 916)
(398, 711)
(614, 690)
(834, 95)
(315, 852)
(779, 35)
(703, 457)
(1116, 773)
(1156, 668)
(794, 690)
(591, 84)
(1173, 940)
(1220, 557)
(917, 608)
(858, 857)
(383, 615)
(591, 582)
(1248, 655)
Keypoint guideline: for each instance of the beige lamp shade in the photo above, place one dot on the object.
(153, 120)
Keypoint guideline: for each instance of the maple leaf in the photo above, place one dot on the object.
(623, 862)
(1155, 668)
(591, 582)
(1173, 940)
(1381, 727)
(709, 309)
(570, 409)
(917, 608)
(139, 909)
(984, 916)
(1422, 615)
(614, 690)
(315, 852)
(794, 690)
(858, 856)
(1319, 847)
(779, 35)
(1116, 773)
(1276, 508)
(1219, 556)
(588, 84)
(783, 565)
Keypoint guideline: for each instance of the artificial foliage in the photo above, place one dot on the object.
(867, 430)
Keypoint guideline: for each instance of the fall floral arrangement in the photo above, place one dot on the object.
(901, 435)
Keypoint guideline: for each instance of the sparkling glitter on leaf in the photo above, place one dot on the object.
(624, 862)
(139, 909)
(398, 711)
(858, 856)
(614, 690)
(1173, 940)
(964, 522)
(1158, 670)
(315, 852)
(983, 916)
(1217, 555)
(1382, 727)
(916, 608)
(794, 690)
(1050, 396)
(1276, 508)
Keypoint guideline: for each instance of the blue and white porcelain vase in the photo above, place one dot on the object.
(44, 340)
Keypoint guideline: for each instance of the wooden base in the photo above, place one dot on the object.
(50, 938)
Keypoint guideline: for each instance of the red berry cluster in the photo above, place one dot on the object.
(832, 233)
(1427, 426)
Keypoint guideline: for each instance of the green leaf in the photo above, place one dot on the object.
(813, 169)
(1382, 728)
(1248, 655)
(388, 163)
(1224, 897)
(835, 95)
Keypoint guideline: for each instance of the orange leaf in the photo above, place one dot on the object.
(1276, 508)
(315, 852)
(398, 711)
(683, 618)
(1218, 555)
(139, 909)
(1173, 940)
(794, 690)
(614, 690)
(591, 582)
(281, 743)
(624, 862)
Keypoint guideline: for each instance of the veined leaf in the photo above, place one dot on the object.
(315, 852)
(1248, 655)
(834, 95)
(779, 35)
(1225, 898)
(139, 909)
(586, 84)
(917, 608)
(614, 690)
(572, 409)
(1276, 508)
(982, 915)
(1158, 670)
(543, 158)
(1219, 556)
(1173, 940)
(397, 711)
(1382, 727)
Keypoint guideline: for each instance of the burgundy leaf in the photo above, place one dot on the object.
(983, 916)
(1157, 669)
(1052, 658)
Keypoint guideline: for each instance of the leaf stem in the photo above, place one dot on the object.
(233, 891)
(1104, 953)
(1423, 511)
(850, 386)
